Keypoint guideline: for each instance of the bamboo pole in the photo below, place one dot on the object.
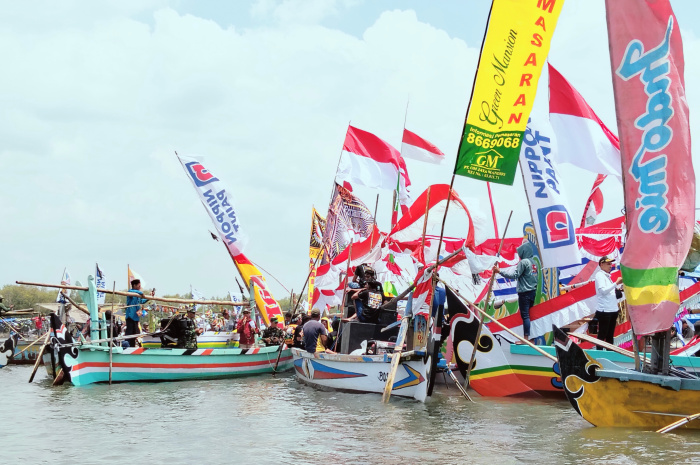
(473, 307)
(39, 357)
(488, 298)
(111, 333)
(76, 305)
(133, 294)
(13, 329)
(395, 360)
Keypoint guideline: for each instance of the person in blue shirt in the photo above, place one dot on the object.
(133, 310)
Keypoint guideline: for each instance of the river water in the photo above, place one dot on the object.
(262, 420)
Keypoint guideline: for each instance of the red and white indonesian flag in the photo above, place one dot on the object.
(369, 161)
(417, 148)
(583, 139)
(561, 311)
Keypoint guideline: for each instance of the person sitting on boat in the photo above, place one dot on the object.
(358, 282)
(371, 296)
(133, 310)
(606, 306)
(3, 307)
(191, 331)
(298, 336)
(273, 335)
(315, 333)
(247, 330)
(526, 275)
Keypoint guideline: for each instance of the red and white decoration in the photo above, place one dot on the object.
(584, 140)
(417, 148)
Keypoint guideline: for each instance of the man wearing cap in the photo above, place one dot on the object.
(273, 335)
(133, 310)
(606, 306)
(315, 334)
(247, 330)
(192, 331)
(3, 307)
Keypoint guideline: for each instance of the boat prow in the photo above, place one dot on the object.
(607, 395)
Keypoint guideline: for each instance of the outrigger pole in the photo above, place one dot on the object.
(486, 302)
(133, 294)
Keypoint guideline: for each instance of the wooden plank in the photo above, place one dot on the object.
(395, 361)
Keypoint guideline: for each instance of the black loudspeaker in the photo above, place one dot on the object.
(387, 317)
(354, 332)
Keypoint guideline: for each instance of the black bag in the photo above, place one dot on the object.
(618, 293)
(593, 326)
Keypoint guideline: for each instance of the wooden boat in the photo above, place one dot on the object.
(362, 373)
(24, 355)
(83, 364)
(607, 394)
(91, 364)
(505, 369)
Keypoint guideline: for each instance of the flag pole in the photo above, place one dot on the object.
(461, 137)
(493, 209)
(397, 196)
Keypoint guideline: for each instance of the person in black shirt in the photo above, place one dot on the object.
(372, 298)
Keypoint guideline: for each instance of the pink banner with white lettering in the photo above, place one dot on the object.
(646, 54)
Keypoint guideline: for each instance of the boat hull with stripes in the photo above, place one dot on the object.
(504, 369)
(207, 340)
(92, 364)
(362, 373)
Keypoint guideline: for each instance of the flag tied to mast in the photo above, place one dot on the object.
(100, 283)
(65, 281)
(218, 203)
(646, 57)
(417, 148)
(512, 55)
(369, 161)
(555, 230)
(583, 139)
(348, 219)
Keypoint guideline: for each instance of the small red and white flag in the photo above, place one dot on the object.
(369, 161)
(594, 204)
(582, 138)
(417, 148)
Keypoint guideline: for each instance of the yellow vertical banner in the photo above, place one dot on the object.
(512, 55)
(318, 225)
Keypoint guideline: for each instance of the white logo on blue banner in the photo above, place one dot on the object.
(556, 234)
(65, 281)
(218, 202)
(236, 297)
(100, 283)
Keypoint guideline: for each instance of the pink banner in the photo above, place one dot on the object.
(646, 54)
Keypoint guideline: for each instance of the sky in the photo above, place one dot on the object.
(98, 96)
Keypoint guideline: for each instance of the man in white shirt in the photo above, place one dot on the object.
(606, 307)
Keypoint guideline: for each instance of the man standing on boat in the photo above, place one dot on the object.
(247, 330)
(133, 310)
(273, 335)
(192, 331)
(606, 306)
(315, 333)
(526, 274)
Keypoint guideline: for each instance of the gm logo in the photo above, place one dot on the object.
(200, 175)
(488, 160)
(556, 227)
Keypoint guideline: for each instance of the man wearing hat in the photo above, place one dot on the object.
(606, 306)
(315, 334)
(191, 333)
(247, 330)
(3, 307)
(273, 335)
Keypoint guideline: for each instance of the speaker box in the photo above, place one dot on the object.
(354, 332)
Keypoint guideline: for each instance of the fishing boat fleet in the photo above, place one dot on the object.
(499, 320)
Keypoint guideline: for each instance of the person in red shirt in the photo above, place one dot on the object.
(247, 330)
